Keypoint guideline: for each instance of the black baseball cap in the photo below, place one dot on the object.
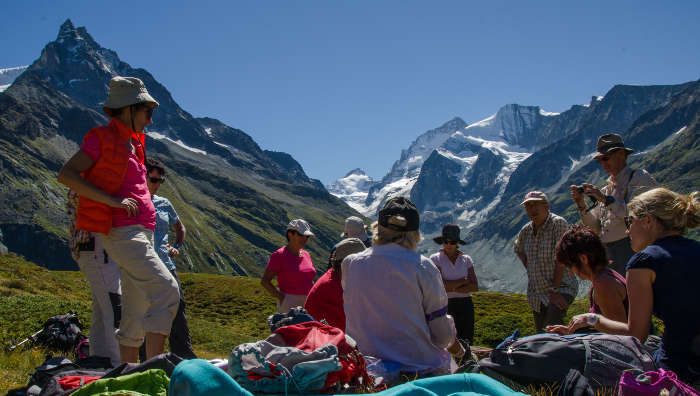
(399, 206)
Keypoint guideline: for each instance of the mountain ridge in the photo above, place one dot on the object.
(478, 183)
(235, 197)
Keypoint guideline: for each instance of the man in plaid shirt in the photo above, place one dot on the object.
(550, 287)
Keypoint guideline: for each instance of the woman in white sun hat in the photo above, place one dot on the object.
(109, 175)
(292, 267)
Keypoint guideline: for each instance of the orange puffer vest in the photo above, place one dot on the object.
(107, 174)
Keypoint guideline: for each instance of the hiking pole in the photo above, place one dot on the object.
(31, 338)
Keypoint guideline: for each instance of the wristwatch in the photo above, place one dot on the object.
(177, 246)
(592, 319)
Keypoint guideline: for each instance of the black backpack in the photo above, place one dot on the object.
(61, 333)
(547, 358)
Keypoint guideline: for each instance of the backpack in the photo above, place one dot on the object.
(52, 366)
(65, 382)
(651, 383)
(547, 358)
(294, 316)
(165, 361)
(61, 333)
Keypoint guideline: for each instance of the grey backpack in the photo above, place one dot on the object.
(547, 358)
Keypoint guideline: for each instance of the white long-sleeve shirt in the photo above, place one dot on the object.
(388, 292)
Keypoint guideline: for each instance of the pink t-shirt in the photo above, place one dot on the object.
(134, 186)
(295, 274)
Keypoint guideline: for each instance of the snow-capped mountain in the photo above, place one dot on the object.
(8, 76)
(405, 171)
(352, 188)
(436, 169)
(514, 124)
(475, 175)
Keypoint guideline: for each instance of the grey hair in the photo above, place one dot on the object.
(675, 212)
(382, 236)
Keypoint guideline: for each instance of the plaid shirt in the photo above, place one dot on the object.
(539, 252)
(75, 236)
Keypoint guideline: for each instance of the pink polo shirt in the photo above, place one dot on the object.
(134, 186)
(295, 274)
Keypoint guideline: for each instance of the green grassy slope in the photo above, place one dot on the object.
(223, 312)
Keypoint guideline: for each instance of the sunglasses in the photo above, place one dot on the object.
(156, 179)
(631, 219)
(149, 111)
(449, 243)
(606, 158)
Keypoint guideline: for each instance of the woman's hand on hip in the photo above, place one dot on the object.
(129, 204)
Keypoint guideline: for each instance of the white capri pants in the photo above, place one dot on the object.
(150, 295)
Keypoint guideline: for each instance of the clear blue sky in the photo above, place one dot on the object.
(349, 84)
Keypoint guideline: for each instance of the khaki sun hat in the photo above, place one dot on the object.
(538, 196)
(345, 248)
(354, 228)
(126, 91)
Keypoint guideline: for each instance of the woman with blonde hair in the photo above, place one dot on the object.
(662, 279)
(395, 302)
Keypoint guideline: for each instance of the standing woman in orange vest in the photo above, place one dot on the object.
(109, 174)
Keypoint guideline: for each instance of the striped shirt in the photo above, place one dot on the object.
(538, 249)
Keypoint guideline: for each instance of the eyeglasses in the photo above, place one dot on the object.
(628, 221)
(449, 243)
(156, 179)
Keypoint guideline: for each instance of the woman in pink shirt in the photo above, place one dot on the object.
(109, 175)
(292, 267)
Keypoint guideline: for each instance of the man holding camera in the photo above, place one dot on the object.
(607, 216)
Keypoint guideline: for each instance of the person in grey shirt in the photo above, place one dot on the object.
(606, 218)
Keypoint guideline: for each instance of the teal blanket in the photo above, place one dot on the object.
(198, 377)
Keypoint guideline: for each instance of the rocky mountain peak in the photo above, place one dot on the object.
(67, 30)
(513, 123)
(69, 35)
(412, 158)
(356, 171)
(236, 194)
